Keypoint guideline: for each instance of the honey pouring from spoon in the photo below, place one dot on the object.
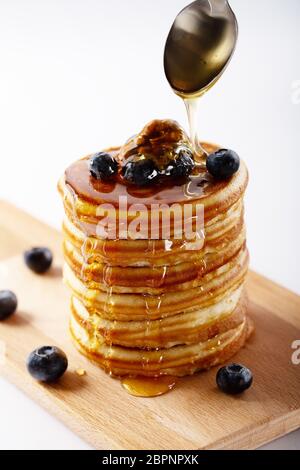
(198, 49)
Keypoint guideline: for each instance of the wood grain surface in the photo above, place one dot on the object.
(195, 415)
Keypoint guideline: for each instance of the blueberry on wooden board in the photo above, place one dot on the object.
(234, 379)
(8, 304)
(47, 363)
(38, 259)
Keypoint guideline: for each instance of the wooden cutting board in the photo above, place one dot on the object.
(193, 416)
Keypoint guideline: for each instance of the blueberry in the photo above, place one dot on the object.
(223, 163)
(8, 303)
(234, 379)
(140, 172)
(38, 259)
(47, 364)
(103, 166)
(182, 166)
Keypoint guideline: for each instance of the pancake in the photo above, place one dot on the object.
(147, 279)
(185, 328)
(176, 361)
(149, 306)
(223, 235)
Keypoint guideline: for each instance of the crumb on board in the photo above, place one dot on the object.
(81, 372)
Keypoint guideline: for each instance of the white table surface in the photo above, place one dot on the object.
(80, 75)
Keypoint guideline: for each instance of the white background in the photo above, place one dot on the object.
(80, 75)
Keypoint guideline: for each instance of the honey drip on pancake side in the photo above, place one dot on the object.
(87, 246)
(87, 250)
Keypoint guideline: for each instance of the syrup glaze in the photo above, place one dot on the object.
(197, 186)
(158, 140)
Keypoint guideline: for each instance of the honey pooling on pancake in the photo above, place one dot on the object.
(165, 307)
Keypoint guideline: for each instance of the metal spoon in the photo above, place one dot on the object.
(200, 44)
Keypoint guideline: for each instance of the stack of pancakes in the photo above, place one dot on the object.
(144, 307)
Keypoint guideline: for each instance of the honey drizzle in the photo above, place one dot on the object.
(191, 105)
